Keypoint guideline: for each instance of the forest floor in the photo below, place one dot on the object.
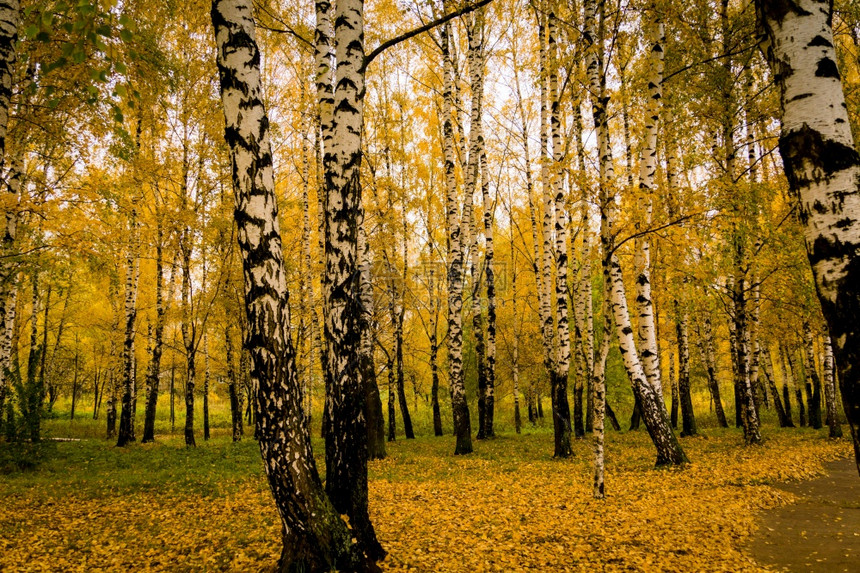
(507, 507)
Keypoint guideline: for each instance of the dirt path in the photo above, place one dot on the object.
(821, 532)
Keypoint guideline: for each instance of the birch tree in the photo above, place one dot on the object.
(10, 21)
(823, 169)
(834, 427)
(459, 407)
(653, 408)
(126, 422)
(314, 535)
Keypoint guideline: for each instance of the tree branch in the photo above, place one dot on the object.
(288, 31)
(677, 221)
(420, 30)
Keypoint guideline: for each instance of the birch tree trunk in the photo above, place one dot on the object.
(653, 408)
(126, 420)
(471, 177)
(10, 21)
(786, 394)
(207, 376)
(673, 384)
(515, 352)
(598, 385)
(789, 375)
(548, 217)
(373, 404)
(767, 366)
(113, 379)
(749, 416)
(434, 353)
(233, 392)
(314, 535)
(189, 336)
(8, 288)
(710, 362)
(646, 332)
(346, 438)
(823, 170)
(154, 371)
(561, 406)
(835, 429)
(398, 313)
(325, 60)
(462, 424)
(530, 394)
(688, 418)
(392, 390)
(490, 275)
(813, 383)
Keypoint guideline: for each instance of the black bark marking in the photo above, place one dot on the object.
(827, 69)
(820, 41)
(806, 146)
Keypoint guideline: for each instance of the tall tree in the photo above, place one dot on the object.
(823, 170)
(314, 535)
(346, 435)
(126, 421)
(459, 406)
(653, 408)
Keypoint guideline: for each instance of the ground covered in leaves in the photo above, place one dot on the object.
(88, 506)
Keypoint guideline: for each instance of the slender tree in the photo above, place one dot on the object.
(835, 429)
(462, 423)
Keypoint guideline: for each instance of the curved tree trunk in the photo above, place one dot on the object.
(823, 170)
(314, 535)
(653, 408)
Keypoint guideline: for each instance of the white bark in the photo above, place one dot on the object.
(462, 425)
(823, 170)
(646, 331)
(10, 22)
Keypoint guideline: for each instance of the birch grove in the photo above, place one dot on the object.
(504, 224)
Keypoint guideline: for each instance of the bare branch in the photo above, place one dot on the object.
(420, 30)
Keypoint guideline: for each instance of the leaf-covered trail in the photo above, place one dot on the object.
(820, 531)
(507, 507)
